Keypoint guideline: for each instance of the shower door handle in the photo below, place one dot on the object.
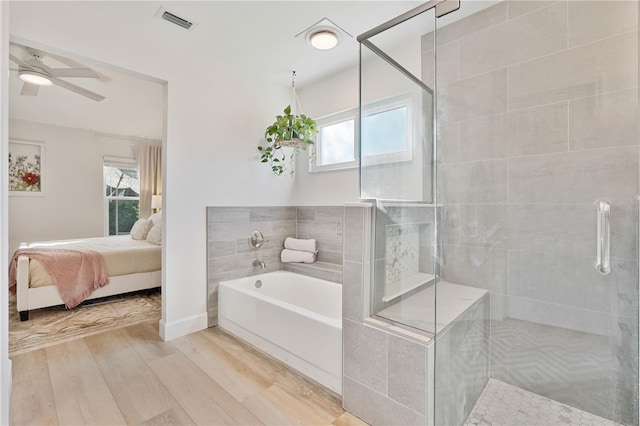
(603, 229)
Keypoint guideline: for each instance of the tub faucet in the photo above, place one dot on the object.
(259, 263)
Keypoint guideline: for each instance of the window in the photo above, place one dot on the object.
(122, 195)
(385, 136)
(336, 146)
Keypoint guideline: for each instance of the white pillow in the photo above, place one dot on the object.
(140, 229)
(156, 218)
(155, 234)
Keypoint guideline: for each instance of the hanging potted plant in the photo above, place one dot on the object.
(288, 131)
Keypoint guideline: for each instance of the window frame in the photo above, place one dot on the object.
(387, 104)
(116, 162)
(328, 120)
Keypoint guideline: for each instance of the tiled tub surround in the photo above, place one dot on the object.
(538, 119)
(229, 255)
(389, 372)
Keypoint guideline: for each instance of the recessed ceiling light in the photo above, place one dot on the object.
(35, 77)
(323, 39)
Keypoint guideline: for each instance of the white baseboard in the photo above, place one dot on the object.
(174, 329)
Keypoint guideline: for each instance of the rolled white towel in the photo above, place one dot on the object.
(297, 256)
(301, 245)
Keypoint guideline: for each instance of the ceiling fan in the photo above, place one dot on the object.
(35, 73)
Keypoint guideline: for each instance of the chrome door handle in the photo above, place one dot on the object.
(603, 230)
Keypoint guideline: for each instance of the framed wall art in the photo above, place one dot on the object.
(26, 166)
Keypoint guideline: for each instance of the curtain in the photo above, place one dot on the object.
(149, 160)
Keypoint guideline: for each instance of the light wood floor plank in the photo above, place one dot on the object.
(146, 341)
(267, 406)
(171, 417)
(348, 419)
(228, 371)
(257, 361)
(204, 400)
(324, 404)
(81, 393)
(32, 400)
(136, 389)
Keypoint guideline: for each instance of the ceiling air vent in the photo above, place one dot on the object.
(175, 19)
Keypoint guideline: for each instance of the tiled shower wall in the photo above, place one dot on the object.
(538, 119)
(229, 255)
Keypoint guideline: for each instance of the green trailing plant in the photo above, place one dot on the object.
(289, 130)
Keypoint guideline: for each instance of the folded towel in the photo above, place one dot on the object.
(297, 256)
(301, 245)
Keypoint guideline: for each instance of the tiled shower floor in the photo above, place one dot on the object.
(503, 404)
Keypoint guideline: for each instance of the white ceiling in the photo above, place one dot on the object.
(257, 36)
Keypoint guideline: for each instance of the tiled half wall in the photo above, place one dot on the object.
(229, 255)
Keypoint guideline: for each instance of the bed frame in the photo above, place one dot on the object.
(41, 297)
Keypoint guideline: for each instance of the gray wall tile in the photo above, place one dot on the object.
(227, 214)
(595, 20)
(477, 182)
(485, 225)
(449, 143)
(573, 281)
(352, 292)
(605, 120)
(479, 21)
(531, 131)
(473, 97)
(462, 364)
(481, 267)
(365, 355)
(529, 36)
(375, 408)
(354, 222)
(538, 130)
(407, 373)
(221, 248)
(264, 214)
(574, 177)
(521, 7)
(605, 66)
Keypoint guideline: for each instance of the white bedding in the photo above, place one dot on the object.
(122, 254)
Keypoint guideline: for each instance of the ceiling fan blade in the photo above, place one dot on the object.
(18, 60)
(29, 89)
(73, 72)
(77, 89)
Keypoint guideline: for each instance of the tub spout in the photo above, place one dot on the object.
(259, 263)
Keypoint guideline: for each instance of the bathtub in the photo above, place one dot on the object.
(295, 318)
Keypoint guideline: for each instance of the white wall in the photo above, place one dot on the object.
(338, 93)
(328, 96)
(72, 201)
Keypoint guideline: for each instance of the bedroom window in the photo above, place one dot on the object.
(385, 136)
(122, 195)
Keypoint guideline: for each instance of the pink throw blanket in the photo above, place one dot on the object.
(75, 273)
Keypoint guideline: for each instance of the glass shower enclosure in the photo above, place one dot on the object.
(500, 148)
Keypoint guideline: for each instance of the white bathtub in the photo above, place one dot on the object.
(295, 318)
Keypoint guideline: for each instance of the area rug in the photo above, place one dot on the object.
(50, 326)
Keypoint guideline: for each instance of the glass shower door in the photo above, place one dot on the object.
(537, 187)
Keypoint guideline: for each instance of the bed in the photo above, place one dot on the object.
(131, 264)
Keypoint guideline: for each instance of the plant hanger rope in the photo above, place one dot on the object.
(295, 102)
